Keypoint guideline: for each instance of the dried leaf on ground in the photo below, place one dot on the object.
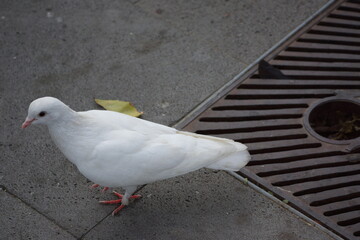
(119, 106)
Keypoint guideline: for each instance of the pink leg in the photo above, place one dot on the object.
(118, 209)
(117, 201)
(97, 185)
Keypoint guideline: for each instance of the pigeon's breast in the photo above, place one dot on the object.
(75, 144)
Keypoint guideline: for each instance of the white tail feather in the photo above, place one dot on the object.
(232, 162)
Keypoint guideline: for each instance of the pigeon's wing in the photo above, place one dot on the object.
(239, 146)
(129, 158)
(109, 121)
(133, 158)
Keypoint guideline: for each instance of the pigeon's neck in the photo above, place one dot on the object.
(71, 136)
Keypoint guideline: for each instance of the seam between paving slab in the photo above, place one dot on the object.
(90, 229)
(108, 215)
(3, 188)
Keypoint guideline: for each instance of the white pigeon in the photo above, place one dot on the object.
(116, 150)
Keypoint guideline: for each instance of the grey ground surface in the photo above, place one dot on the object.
(165, 57)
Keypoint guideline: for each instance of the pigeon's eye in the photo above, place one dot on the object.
(41, 114)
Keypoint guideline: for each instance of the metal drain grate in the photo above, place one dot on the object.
(319, 64)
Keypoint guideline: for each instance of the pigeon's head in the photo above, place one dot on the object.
(45, 110)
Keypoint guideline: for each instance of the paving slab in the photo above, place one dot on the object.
(20, 221)
(165, 64)
(241, 29)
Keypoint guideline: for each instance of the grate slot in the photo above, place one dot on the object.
(342, 210)
(266, 136)
(336, 199)
(243, 130)
(336, 31)
(334, 57)
(330, 187)
(319, 75)
(284, 145)
(343, 23)
(273, 138)
(348, 6)
(304, 168)
(280, 96)
(261, 102)
(285, 148)
(251, 126)
(355, 228)
(350, 9)
(228, 114)
(316, 59)
(353, 16)
(285, 86)
(291, 156)
(348, 218)
(236, 94)
(318, 66)
(321, 185)
(337, 40)
(321, 47)
(333, 32)
(250, 118)
(260, 107)
(299, 84)
(322, 75)
(322, 50)
(310, 176)
(339, 205)
(345, 194)
(310, 163)
(348, 222)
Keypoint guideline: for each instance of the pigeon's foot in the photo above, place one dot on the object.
(97, 185)
(120, 200)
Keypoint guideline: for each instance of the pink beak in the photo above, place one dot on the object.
(27, 122)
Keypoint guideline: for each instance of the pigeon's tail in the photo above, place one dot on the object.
(233, 162)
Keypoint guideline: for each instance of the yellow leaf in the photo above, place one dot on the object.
(119, 106)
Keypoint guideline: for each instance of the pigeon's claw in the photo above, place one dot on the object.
(97, 185)
(117, 201)
(118, 209)
(111, 201)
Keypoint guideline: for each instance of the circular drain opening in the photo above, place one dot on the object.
(336, 120)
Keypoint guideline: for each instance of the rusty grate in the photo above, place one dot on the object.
(273, 113)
